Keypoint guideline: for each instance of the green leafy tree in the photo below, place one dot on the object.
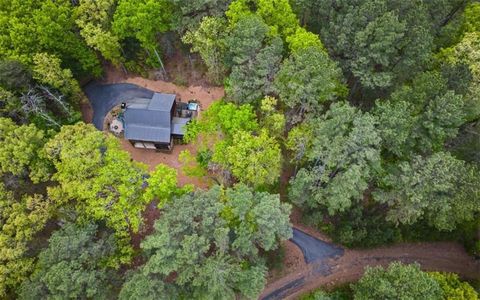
(471, 17)
(236, 147)
(396, 282)
(211, 240)
(420, 118)
(317, 80)
(71, 267)
(21, 218)
(222, 119)
(21, 151)
(250, 81)
(277, 14)
(377, 51)
(272, 119)
(209, 41)
(453, 287)
(441, 189)
(466, 54)
(94, 19)
(254, 58)
(47, 69)
(100, 179)
(162, 185)
(246, 39)
(254, 160)
(303, 39)
(46, 26)
(342, 158)
(192, 13)
(143, 20)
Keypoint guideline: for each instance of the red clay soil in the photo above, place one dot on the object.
(441, 256)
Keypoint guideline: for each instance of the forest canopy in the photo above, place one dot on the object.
(358, 118)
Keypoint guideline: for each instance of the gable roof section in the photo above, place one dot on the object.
(149, 119)
(162, 102)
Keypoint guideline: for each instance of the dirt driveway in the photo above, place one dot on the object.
(439, 256)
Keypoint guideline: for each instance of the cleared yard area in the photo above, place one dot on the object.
(103, 98)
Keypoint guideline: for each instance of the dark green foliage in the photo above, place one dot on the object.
(308, 80)
(441, 189)
(254, 59)
(71, 267)
(14, 76)
(377, 51)
(396, 282)
(248, 82)
(362, 228)
(190, 13)
(210, 241)
(421, 117)
(342, 157)
(466, 145)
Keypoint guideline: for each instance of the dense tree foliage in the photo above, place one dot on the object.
(397, 282)
(143, 21)
(210, 241)
(252, 159)
(236, 144)
(452, 287)
(191, 13)
(439, 188)
(341, 151)
(317, 81)
(30, 27)
(71, 267)
(22, 216)
(101, 179)
(372, 106)
(21, 151)
(379, 50)
(400, 282)
(420, 118)
(254, 59)
(209, 41)
(94, 20)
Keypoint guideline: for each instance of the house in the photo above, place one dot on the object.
(154, 123)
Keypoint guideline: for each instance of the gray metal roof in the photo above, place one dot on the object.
(178, 125)
(149, 119)
(147, 133)
(162, 102)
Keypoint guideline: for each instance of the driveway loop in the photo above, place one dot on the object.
(104, 97)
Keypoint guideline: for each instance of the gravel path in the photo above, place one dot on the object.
(104, 97)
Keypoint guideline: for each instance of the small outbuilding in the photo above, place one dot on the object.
(153, 123)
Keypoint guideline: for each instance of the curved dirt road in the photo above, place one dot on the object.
(441, 256)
